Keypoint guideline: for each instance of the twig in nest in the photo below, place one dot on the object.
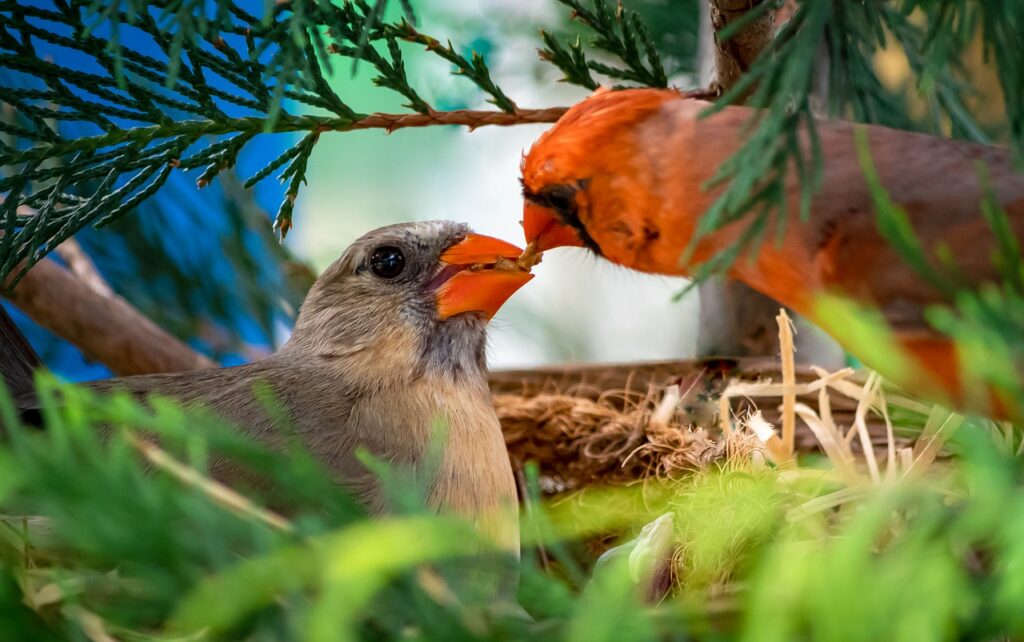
(786, 348)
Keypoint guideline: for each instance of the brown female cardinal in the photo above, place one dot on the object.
(624, 173)
(389, 341)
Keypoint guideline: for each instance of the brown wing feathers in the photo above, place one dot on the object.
(18, 362)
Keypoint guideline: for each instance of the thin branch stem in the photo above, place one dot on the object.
(196, 128)
(463, 117)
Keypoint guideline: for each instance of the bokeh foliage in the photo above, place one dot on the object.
(97, 540)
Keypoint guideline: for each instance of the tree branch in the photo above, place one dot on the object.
(734, 56)
(104, 326)
(736, 320)
(466, 117)
(81, 265)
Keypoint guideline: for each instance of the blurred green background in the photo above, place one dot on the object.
(577, 308)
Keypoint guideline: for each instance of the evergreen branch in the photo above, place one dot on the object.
(139, 116)
(756, 173)
(21, 132)
(42, 128)
(372, 19)
(131, 202)
(151, 153)
(462, 117)
(1003, 30)
(942, 88)
(946, 40)
(195, 129)
(572, 63)
(182, 21)
(617, 31)
(226, 149)
(396, 79)
(323, 90)
(854, 87)
(296, 172)
(779, 85)
(220, 159)
(83, 109)
(474, 69)
(390, 74)
(272, 166)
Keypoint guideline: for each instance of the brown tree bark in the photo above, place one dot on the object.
(103, 325)
(734, 56)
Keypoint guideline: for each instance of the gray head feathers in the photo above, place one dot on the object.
(383, 320)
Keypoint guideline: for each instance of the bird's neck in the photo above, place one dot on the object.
(455, 349)
(399, 354)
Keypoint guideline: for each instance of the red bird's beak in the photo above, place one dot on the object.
(479, 275)
(543, 228)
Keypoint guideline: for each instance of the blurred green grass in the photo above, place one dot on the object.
(97, 544)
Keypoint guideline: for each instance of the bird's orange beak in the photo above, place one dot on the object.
(543, 228)
(479, 276)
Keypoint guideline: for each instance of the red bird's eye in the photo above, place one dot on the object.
(561, 198)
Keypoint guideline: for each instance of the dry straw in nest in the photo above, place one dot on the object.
(619, 436)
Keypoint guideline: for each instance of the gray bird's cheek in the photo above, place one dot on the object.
(420, 309)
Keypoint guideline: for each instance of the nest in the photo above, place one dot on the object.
(616, 438)
(620, 425)
(627, 423)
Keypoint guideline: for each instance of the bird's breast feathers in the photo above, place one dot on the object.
(473, 475)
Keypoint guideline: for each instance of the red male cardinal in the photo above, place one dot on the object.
(624, 174)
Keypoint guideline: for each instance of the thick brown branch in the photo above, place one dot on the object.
(103, 325)
(465, 117)
(735, 55)
(81, 265)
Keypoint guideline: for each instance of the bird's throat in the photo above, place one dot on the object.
(455, 349)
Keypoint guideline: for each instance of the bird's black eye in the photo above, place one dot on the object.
(561, 198)
(387, 262)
